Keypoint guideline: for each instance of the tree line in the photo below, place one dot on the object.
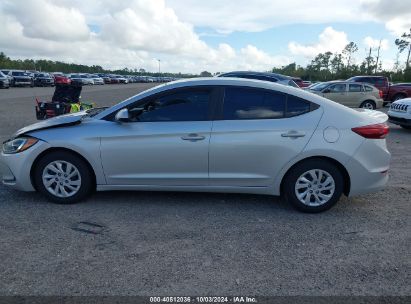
(332, 66)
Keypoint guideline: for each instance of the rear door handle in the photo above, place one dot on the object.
(293, 134)
(193, 137)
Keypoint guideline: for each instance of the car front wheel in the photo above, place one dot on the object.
(368, 104)
(313, 186)
(63, 177)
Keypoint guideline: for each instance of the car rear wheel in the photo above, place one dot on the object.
(63, 177)
(368, 104)
(313, 186)
(406, 127)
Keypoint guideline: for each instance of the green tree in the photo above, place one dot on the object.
(404, 43)
(349, 51)
(205, 74)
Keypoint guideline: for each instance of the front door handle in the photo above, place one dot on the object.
(193, 137)
(293, 134)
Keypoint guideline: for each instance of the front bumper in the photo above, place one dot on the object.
(15, 168)
(4, 83)
(399, 118)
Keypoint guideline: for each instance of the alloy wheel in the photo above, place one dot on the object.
(314, 187)
(61, 178)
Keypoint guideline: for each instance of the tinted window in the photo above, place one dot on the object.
(243, 103)
(337, 88)
(296, 106)
(355, 88)
(181, 106)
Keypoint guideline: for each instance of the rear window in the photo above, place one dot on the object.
(297, 106)
(244, 103)
(368, 88)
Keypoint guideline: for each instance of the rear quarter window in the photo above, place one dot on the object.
(298, 106)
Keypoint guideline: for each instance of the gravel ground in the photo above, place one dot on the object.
(145, 243)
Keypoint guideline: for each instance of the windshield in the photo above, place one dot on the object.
(319, 87)
(20, 74)
(42, 75)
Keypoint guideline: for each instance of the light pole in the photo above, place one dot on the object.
(159, 70)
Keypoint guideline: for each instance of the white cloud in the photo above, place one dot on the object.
(130, 34)
(329, 40)
(375, 43)
(45, 20)
(396, 14)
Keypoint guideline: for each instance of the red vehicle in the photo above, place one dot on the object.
(59, 78)
(380, 82)
(399, 91)
(301, 83)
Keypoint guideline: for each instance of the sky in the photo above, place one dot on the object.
(191, 36)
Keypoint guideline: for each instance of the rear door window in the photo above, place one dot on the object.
(355, 88)
(250, 103)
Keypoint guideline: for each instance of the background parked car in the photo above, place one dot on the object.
(399, 91)
(400, 113)
(4, 81)
(272, 77)
(81, 79)
(60, 78)
(353, 95)
(380, 82)
(21, 78)
(301, 83)
(121, 79)
(96, 79)
(43, 80)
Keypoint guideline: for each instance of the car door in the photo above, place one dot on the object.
(336, 92)
(355, 96)
(256, 133)
(164, 143)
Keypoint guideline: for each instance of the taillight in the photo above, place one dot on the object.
(381, 94)
(377, 131)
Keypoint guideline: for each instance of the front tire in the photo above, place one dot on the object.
(63, 177)
(313, 185)
(368, 104)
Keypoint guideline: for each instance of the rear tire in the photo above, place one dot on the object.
(405, 127)
(313, 185)
(63, 177)
(368, 104)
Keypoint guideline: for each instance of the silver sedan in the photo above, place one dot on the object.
(210, 135)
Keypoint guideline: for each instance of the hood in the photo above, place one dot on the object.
(405, 101)
(58, 121)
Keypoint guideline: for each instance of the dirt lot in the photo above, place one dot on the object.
(144, 243)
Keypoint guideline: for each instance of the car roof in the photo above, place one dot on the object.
(267, 74)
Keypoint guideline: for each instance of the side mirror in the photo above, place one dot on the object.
(122, 116)
(327, 91)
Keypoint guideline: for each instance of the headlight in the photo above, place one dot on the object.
(18, 144)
